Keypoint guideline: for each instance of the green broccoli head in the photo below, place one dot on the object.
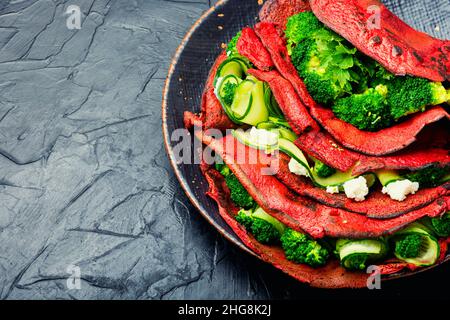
(301, 26)
(323, 170)
(441, 225)
(357, 261)
(409, 246)
(231, 48)
(238, 193)
(264, 230)
(327, 64)
(229, 90)
(429, 177)
(366, 111)
(300, 248)
(355, 254)
(407, 95)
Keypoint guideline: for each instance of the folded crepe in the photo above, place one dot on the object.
(294, 200)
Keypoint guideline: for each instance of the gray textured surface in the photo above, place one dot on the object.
(84, 179)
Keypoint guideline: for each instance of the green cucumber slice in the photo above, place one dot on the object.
(271, 103)
(261, 214)
(287, 134)
(219, 94)
(429, 256)
(245, 63)
(280, 122)
(431, 250)
(287, 146)
(362, 251)
(257, 111)
(230, 67)
(414, 227)
(243, 100)
(337, 179)
(388, 176)
(267, 125)
(293, 151)
(283, 131)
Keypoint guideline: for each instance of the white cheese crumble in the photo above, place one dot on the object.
(262, 137)
(356, 189)
(333, 189)
(398, 190)
(296, 168)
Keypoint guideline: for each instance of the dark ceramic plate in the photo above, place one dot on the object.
(190, 67)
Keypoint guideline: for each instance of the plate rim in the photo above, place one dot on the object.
(181, 179)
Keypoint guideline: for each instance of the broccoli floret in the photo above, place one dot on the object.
(264, 230)
(376, 73)
(222, 168)
(301, 26)
(429, 177)
(300, 248)
(323, 170)
(408, 95)
(245, 219)
(366, 111)
(323, 90)
(332, 68)
(441, 225)
(409, 246)
(231, 48)
(229, 90)
(327, 64)
(238, 193)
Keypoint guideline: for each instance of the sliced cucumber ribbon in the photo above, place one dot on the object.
(356, 254)
(253, 101)
(288, 147)
(248, 104)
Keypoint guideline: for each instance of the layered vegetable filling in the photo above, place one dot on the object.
(359, 91)
(250, 102)
(416, 244)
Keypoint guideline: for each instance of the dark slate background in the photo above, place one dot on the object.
(84, 179)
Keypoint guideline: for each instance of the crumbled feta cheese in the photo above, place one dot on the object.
(262, 137)
(398, 190)
(356, 189)
(333, 189)
(296, 168)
